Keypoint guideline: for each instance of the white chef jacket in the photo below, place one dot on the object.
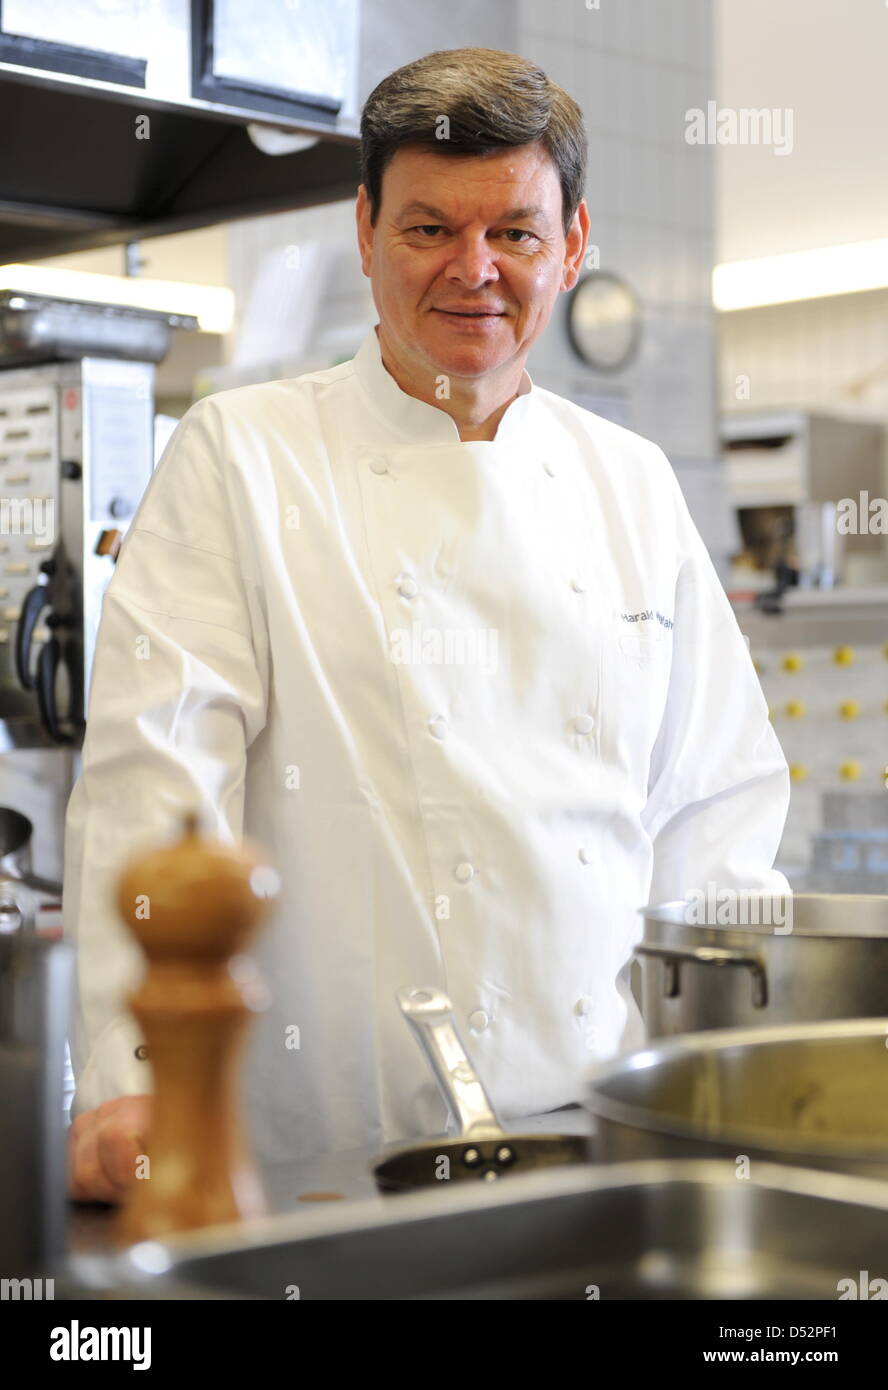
(479, 701)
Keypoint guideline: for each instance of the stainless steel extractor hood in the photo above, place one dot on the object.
(101, 147)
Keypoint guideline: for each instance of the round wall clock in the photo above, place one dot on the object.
(604, 321)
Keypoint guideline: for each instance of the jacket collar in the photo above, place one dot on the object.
(417, 421)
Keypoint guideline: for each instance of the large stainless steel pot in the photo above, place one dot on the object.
(812, 1096)
(833, 963)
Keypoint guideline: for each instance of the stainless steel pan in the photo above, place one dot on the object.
(812, 1096)
(833, 963)
(15, 852)
(483, 1151)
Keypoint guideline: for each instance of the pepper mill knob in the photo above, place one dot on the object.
(193, 906)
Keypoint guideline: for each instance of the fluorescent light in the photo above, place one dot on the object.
(212, 305)
(849, 269)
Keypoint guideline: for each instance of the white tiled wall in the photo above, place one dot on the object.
(829, 353)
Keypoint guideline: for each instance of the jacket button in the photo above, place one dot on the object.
(438, 726)
(378, 464)
(549, 467)
(407, 586)
(578, 586)
(584, 856)
(479, 1020)
(464, 873)
(583, 1006)
(584, 724)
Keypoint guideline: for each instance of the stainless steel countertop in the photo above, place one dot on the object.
(90, 1225)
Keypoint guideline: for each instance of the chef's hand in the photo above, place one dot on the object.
(103, 1148)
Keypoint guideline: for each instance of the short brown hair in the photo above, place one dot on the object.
(492, 101)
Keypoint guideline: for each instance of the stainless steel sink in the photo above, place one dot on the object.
(651, 1230)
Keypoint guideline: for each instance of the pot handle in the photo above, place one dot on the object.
(430, 1014)
(673, 957)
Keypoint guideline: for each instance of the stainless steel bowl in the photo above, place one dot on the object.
(812, 1096)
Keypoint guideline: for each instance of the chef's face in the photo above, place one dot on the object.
(457, 235)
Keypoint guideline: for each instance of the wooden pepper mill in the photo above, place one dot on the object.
(192, 907)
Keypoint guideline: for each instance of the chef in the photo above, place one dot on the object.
(446, 644)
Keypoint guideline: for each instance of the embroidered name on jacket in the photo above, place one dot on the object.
(647, 616)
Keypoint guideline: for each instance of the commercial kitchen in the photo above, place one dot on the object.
(444, 654)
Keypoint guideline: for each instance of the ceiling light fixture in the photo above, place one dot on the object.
(797, 275)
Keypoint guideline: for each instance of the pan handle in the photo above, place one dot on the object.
(430, 1014)
(673, 957)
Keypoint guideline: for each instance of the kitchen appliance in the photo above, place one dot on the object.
(786, 473)
(483, 1151)
(76, 453)
(623, 1231)
(833, 963)
(812, 1096)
